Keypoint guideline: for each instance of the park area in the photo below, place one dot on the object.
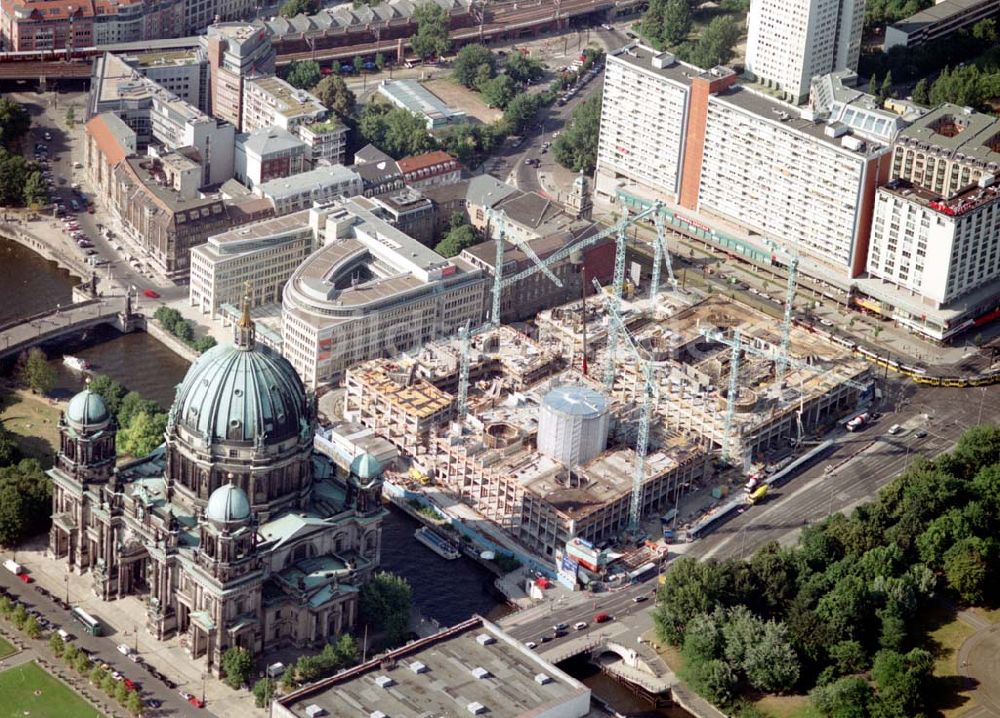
(34, 421)
(455, 95)
(6, 649)
(27, 690)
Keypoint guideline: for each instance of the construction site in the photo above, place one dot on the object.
(604, 412)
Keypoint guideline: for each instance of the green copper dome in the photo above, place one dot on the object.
(366, 467)
(87, 409)
(228, 504)
(240, 393)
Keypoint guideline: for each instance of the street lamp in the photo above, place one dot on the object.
(66, 580)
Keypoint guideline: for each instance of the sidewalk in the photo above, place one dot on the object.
(125, 620)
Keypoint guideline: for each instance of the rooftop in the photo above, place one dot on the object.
(942, 11)
(147, 171)
(113, 137)
(960, 132)
(162, 58)
(319, 178)
(963, 202)
(390, 381)
(474, 662)
(256, 236)
(270, 140)
(835, 98)
(428, 160)
(287, 100)
(667, 67)
(418, 99)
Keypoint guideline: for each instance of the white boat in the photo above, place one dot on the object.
(442, 547)
(76, 363)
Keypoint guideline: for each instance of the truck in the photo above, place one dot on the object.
(14, 567)
(752, 484)
(858, 422)
(758, 494)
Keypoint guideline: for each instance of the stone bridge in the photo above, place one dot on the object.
(16, 337)
(638, 664)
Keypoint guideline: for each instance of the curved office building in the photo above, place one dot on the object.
(372, 291)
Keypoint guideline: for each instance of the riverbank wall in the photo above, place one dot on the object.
(169, 340)
(75, 266)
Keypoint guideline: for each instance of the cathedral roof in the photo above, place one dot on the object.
(228, 504)
(87, 411)
(240, 393)
(366, 467)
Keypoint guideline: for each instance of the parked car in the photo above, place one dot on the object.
(124, 649)
(151, 294)
(530, 645)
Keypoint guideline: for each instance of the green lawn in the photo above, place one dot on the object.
(787, 707)
(6, 648)
(28, 690)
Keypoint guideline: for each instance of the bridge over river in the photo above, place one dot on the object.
(75, 319)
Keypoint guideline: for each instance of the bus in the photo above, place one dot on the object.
(642, 573)
(90, 624)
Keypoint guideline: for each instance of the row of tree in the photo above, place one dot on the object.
(838, 614)
(171, 320)
(21, 181)
(668, 23)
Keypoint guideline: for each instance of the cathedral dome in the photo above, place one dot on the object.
(87, 411)
(228, 504)
(366, 467)
(239, 393)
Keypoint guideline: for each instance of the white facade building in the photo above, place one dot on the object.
(177, 124)
(805, 185)
(372, 291)
(789, 43)
(327, 141)
(272, 102)
(298, 192)
(940, 249)
(264, 254)
(643, 122)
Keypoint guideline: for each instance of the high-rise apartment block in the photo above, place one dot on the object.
(272, 102)
(789, 43)
(702, 140)
(237, 52)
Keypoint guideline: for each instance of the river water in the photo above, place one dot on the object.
(446, 591)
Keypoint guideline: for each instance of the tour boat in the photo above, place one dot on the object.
(442, 547)
(76, 363)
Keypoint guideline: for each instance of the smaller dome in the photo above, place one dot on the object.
(366, 467)
(228, 504)
(87, 410)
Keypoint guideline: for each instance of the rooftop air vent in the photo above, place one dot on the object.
(480, 672)
(475, 708)
(418, 667)
(383, 681)
(315, 711)
(541, 679)
(485, 639)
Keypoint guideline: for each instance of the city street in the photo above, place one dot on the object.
(102, 649)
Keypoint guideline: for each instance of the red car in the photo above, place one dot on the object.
(25, 578)
(130, 684)
(196, 702)
(151, 294)
(602, 618)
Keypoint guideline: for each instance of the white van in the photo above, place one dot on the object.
(895, 429)
(275, 669)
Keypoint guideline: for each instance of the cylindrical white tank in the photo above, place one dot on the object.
(573, 424)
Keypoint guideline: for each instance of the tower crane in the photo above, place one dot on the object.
(786, 324)
(660, 255)
(737, 348)
(650, 394)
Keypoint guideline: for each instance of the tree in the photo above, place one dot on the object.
(291, 8)
(431, 38)
(523, 68)
(849, 657)
(521, 110)
(56, 645)
(716, 43)
(35, 372)
(183, 331)
(97, 675)
(921, 94)
(468, 62)
(847, 698)
(346, 650)
(14, 121)
(69, 654)
(385, 603)
(715, 680)
(9, 453)
(968, 568)
(6, 607)
(36, 191)
(691, 588)
(263, 692)
(873, 85)
(359, 64)
(109, 685)
(885, 90)
(143, 434)
(81, 664)
(203, 344)
(70, 115)
(576, 147)
(303, 74)
(771, 664)
(168, 317)
(499, 91)
(133, 704)
(333, 92)
(677, 21)
(456, 240)
(132, 405)
(379, 61)
(25, 501)
(237, 663)
(31, 627)
(121, 693)
(395, 131)
(985, 30)
(110, 391)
